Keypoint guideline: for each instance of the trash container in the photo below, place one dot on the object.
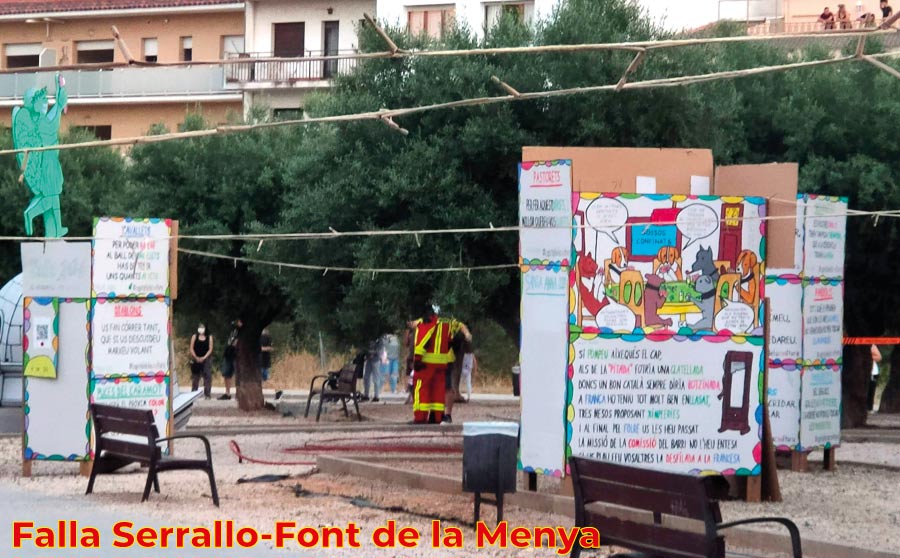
(490, 452)
(516, 373)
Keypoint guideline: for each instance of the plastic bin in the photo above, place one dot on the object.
(490, 451)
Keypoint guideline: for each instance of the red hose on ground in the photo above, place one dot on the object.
(236, 449)
(324, 448)
(395, 448)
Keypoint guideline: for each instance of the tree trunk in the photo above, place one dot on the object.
(890, 399)
(855, 378)
(248, 389)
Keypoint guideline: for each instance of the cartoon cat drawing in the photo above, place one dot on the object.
(706, 302)
(588, 269)
(705, 264)
(746, 266)
(654, 299)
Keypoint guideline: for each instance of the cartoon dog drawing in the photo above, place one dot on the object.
(667, 264)
(618, 262)
(746, 266)
(654, 298)
(706, 302)
(705, 264)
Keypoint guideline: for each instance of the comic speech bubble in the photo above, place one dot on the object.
(606, 215)
(617, 318)
(737, 317)
(696, 222)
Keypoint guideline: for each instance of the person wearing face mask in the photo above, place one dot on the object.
(201, 351)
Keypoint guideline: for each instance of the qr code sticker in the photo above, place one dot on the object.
(43, 332)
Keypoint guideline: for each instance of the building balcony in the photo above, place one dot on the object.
(260, 72)
(776, 26)
(123, 85)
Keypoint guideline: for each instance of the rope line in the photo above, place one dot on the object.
(332, 234)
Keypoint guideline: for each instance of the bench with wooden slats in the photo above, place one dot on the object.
(626, 492)
(124, 436)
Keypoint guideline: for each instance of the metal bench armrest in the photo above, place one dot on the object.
(195, 436)
(790, 525)
(312, 382)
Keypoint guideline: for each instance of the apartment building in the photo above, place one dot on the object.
(106, 96)
(297, 29)
(433, 16)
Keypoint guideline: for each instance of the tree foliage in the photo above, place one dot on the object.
(457, 169)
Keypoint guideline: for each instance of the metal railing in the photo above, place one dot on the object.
(777, 26)
(293, 71)
(121, 82)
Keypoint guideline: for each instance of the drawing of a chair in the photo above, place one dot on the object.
(608, 278)
(631, 293)
(725, 289)
(755, 302)
(724, 266)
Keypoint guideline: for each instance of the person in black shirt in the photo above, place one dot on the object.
(886, 10)
(201, 363)
(827, 18)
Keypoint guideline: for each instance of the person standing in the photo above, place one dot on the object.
(469, 367)
(372, 374)
(886, 10)
(229, 362)
(827, 18)
(873, 384)
(843, 17)
(432, 355)
(201, 363)
(265, 354)
(408, 342)
(391, 362)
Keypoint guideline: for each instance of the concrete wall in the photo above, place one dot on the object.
(130, 120)
(262, 14)
(206, 29)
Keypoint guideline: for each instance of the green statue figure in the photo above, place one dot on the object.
(35, 126)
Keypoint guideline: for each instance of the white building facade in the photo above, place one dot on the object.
(432, 16)
(294, 29)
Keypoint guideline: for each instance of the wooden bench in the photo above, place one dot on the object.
(124, 436)
(626, 491)
(335, 386)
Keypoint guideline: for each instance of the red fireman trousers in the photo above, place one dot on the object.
(428, 393)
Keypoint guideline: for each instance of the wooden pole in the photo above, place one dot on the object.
(123, 48)
(882, 66)
(394, 49)
(478, 101)
(771, 491)
(638, 58)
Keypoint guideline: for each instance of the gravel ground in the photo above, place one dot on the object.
(855, 505)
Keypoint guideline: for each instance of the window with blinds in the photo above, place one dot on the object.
(94, 52)
(430, 20)
(151, 50)
(22, 55)
(520, 11)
